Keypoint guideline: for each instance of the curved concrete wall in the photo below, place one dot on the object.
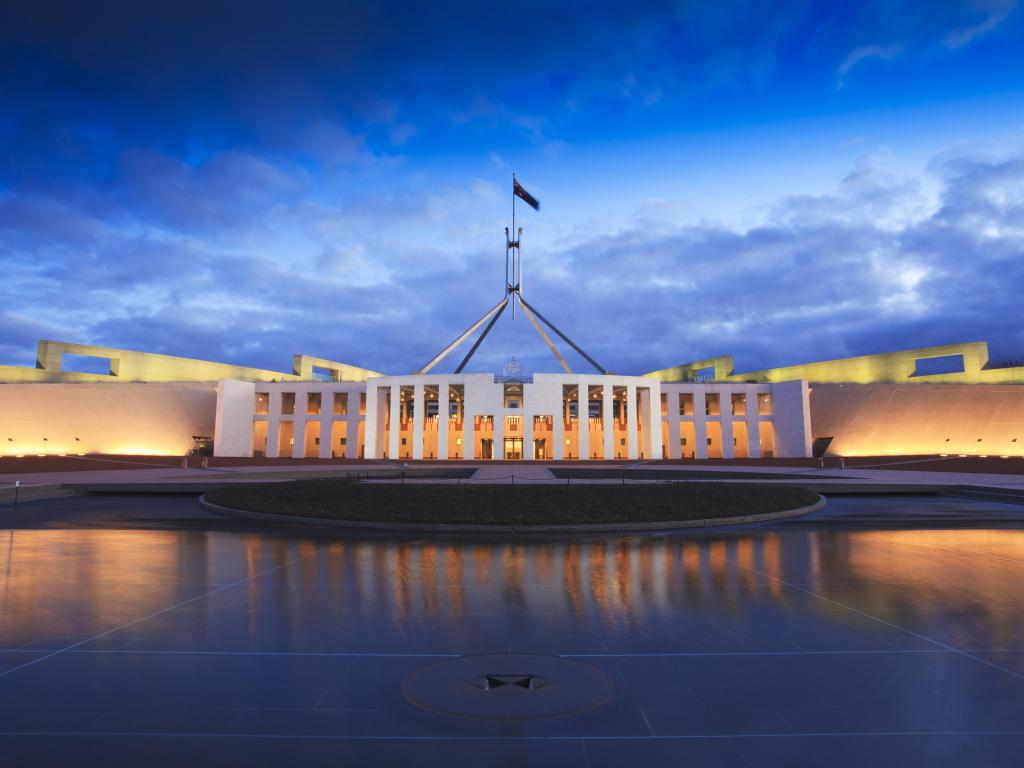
(895, 419)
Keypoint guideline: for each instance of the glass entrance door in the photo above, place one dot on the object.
(513, 448)
(540, 449)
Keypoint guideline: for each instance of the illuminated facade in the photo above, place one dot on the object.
(925, 401)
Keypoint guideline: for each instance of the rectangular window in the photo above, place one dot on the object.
(682, 441)
(686, 404)
(664, 404)
(342, 441)
(340, 403)
(930, 366)
(739, 404)
(262, 403)
(622, 441)
(712, 404)
(313, 401)
(287, 403)
(764, 403)
(362, 403)
(403, 441)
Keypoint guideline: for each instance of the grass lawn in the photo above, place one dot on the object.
(511, 504)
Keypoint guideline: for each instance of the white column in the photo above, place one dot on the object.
(672, 405)
(326, 425)
(583, 421)
(419, 416)
(643, 413)
(631, 441)
(528, 437)
(608, 422)
(352, 421)
(396, 421)
(753, 437)
(299, 430)
(468, 448)
(273, 423)
(728, 450)
(700, 424)
(558, 434)
(372, 435)
(498, 452)
(442, 420)
(654, 445)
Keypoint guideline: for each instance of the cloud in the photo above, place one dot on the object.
(996, 13)
(866, 53)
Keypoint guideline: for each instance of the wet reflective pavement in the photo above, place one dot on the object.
(882, 631)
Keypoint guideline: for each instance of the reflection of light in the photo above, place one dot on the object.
(132, 450)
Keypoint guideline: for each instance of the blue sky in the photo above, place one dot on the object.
(783, 181)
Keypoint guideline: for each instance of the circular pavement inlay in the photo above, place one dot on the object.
(515, 686)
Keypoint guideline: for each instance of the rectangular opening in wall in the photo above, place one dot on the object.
(262, 405)
(339, 440)
(931, 366)
(712, 404)
(287, 403)
(323, 374)
(764, 403)
(739, 404)
(86, 364)
(741, 440)
(570, 404)
(313, 401)
(311, 449)
(259, 439)
(714, 439)
(362, 403)
(595, 402)
(707, 373)
(664, 404)
(340, 403)
(687, 439)
(767, 439)
(513, 396)
(686, 404)
(285, 438)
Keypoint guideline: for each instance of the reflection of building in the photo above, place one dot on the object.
(932, 400)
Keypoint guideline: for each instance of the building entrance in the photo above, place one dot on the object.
(513, 448)
(486, 449)
(540, 449)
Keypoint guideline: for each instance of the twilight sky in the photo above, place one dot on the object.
(783, 181)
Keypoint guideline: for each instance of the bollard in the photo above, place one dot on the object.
(17, 485)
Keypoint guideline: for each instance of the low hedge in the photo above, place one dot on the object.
(548, 504)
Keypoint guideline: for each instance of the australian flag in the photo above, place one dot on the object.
(522, 194)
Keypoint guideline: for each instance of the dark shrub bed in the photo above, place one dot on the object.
(511, 504)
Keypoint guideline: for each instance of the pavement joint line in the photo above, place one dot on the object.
(100, 636)
(887, 623)
(524, 737)
(440, 655)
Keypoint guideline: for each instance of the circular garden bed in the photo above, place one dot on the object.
(548, 506)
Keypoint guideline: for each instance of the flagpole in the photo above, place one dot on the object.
(515, 251)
